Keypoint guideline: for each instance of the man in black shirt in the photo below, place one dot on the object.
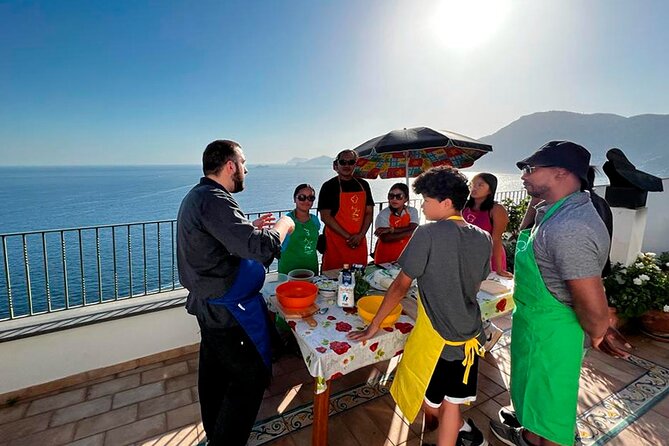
(346, 207)
(217, 247)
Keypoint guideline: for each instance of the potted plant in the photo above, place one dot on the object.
(516, 213)
(641, 290)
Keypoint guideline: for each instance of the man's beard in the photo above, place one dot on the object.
(536, 191)
(238, 181)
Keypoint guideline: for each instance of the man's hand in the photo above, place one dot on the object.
(380, 231)
(354, 240)
(265, 221)
(613, 343)
(284, 226)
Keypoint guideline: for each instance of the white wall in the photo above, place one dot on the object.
(656, 235)
(48, 357)
(656, 238)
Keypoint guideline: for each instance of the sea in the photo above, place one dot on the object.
(83, 267)
(43, 198)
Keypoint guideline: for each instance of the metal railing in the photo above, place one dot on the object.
(516, 196)
(56, 270)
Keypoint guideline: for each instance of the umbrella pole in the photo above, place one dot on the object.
(406, 169)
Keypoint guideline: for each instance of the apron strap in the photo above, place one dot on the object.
(472, 348)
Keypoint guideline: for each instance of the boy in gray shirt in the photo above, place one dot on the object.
(449, 258)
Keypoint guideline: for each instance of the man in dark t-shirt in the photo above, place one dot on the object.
(346, 207)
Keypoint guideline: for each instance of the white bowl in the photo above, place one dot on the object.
(273, 280)
(305, 275)
(327, 293)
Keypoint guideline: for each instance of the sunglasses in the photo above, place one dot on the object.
(529, 170)
(303, 197)
(395, 196)
(346, 162)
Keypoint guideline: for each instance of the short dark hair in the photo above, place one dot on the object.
(441, 183)
(401, 186)
(355, 154)
(303, 186)
(217, 154)
(489, 202)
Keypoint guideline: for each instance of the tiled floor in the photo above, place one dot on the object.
(621, 403)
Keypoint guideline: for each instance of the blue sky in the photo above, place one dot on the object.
(132, 82)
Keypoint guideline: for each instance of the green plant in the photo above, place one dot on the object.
(641, 286)
(510, 251)
(663, 260)
(361, 286)
(516, 211)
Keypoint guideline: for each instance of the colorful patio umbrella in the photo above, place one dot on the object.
(409, 152)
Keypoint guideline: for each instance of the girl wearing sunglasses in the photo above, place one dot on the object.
(394, 225)
(299, 250)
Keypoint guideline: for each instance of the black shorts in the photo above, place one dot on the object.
(446, 383)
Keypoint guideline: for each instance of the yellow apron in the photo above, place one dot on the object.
(420, 357)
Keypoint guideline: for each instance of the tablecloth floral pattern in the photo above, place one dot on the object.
(327, 352)
(492, 305)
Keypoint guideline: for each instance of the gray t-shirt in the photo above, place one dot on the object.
(449, 262)
(572, 244)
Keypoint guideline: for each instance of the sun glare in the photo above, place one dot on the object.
(466, 24)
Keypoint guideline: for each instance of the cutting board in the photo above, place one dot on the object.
(302, 313)
(493, 287)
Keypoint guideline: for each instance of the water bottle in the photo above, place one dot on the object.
(345, 297)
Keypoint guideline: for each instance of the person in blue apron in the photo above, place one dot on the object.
(559, 296)
(221, 257)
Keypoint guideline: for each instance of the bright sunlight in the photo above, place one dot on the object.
(466, 24)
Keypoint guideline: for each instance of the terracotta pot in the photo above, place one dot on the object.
(655, 323)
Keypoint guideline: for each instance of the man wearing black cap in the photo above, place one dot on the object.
(559, 296)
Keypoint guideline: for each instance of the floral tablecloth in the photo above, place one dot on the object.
(327, 352)
(495, 305)
(492, 305)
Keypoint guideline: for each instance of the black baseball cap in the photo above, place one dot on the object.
(566, 154)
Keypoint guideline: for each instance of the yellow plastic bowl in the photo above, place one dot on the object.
(369, 305)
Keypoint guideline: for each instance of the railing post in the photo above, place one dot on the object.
(113, 229)
(173, 245)
(26, 266)
(63, 253)
(82, 269)
(144, 254)
(99, 263)
(160, 286)
(129, 263)
(47, 289)
(8, 280)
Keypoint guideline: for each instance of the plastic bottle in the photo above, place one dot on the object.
(346, 288)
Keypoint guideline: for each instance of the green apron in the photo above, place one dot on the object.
(300, 249)
(546, 349)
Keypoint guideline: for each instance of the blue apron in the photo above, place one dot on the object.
(244, 301)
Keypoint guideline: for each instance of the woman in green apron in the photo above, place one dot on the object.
(299, 248)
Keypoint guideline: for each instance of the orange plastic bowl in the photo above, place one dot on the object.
(369, 305)
(296, 294)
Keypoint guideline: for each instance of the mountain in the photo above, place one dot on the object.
(296, 160)
(643, 138)
(319, 161)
